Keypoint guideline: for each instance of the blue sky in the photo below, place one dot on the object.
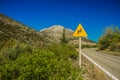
(94, 15)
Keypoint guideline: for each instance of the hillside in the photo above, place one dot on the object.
(12, 29)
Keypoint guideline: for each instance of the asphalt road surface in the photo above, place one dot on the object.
(110, 63)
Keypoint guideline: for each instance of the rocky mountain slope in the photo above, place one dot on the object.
(12, 29)
(54, 33)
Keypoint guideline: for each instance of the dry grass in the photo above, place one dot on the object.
(112, 53)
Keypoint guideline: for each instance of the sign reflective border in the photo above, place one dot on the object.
(80, 32)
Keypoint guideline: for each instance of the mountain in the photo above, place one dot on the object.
(54, 35)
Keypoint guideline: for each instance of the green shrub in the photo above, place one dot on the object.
(115, 47)
(88, 46)
(64, 51)
(12, 49)
(110, 37)
(28, 63)
(103, 43)
(40, 65)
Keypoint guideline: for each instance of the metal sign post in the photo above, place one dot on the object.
(80, 52)
(80, 32)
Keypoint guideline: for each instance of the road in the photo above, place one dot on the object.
(110, 63)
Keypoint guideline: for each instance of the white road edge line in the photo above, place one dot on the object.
(108, 73)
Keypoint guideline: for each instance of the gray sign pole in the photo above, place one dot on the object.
(80, 52)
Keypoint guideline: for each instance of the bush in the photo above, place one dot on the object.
(110, 37)
(64, 51)
(12, 49)
(115, 47)
(103, 43)
(51, 63)
(88, 46)
(40, 65)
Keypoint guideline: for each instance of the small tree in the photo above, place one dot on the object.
(63, 39)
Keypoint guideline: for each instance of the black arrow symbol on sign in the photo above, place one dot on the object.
(79, 31)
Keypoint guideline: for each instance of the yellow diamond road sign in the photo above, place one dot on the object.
(80, 32)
